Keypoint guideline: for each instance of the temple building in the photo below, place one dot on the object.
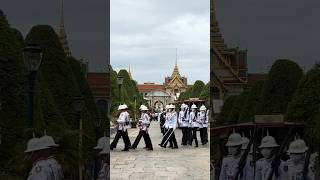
(228, 66)
(159, 95)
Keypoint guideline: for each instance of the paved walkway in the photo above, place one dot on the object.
(187, 163)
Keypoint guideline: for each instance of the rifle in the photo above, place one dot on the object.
(243, 158)
(276, 161)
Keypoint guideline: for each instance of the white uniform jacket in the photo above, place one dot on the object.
(184, 118)
(193, 119)
(122, 120)
(41, 171)
(144, 121)
(229, 167)
(55, 167)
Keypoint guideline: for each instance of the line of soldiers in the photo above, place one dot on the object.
(123, 123)
(299, 166)
(189, 122)
(45, 167)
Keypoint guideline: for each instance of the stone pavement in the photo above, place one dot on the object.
(187, 163)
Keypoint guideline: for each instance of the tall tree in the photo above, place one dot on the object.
(249, 107)
(305, 103)
(222, 118)
(279, 87)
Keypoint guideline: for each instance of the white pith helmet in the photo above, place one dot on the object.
(268, 142)
(245, 143)
(48, 141)
(297, 146)
(203, 108)
(144, 108)
(122, 107)
(171, 106)
(234, 139)
(183, 105)
(167, 106)
(101, 142)
(106, 148)
(35, 144)
(193, 106)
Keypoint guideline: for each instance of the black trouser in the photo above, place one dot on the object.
(184, 135)
(169, 136)
(146, 137)
(194, 135)
(189, 135)
(203, 135)
(162, 129)
(125, 138)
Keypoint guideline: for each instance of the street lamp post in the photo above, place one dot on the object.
(32, 55)
(120, 81)
(78, 105)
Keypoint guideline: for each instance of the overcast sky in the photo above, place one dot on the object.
(146, 33)
(272, 29)
(86, 24)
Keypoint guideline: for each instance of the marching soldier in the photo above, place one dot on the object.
(195, 124)
(52, 163)
(268, 149)
(166, 124)
(229, 166)
(123, 122)
(40, 167)
(162, 119)
(104, 172)
(144, 122)
(295, 165)
(172, 125)
(100, 144)
(183, 122)
(248, 169)
(203, 121)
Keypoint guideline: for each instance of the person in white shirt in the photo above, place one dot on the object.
(183, 123)
(172, 125)
(122, 126)
(52, 162)
(104, 173)
(40, 167)
(203, 121)
(195, 124)
(144, 122)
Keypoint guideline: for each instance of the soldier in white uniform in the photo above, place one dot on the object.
(248, 169)
(203, 121)
(268, 149)
(195, 124)
(229, 165)
(295, 164)
(52, 162)
(104, 173)
(40, 167)
(100, 144)
(172, 125)
(162, 119)
(144, 122)
(183, 123)
(123, 122)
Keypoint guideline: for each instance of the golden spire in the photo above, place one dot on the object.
(176, 70)
(129, 72)
(62, 33)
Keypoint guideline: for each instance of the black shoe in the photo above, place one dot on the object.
(196, 146)
(149, 149)
(125, 149)
(175, 147)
